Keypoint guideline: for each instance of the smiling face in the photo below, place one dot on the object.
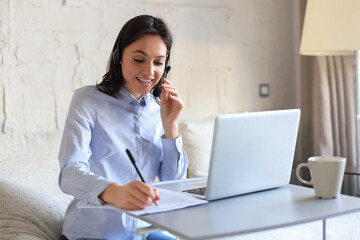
(143, 64)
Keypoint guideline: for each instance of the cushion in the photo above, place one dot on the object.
(26, 213)
(24, 151)
(197, 140)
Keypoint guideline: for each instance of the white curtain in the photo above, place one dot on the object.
(333, 111)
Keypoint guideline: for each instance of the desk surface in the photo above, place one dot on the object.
(280, 207)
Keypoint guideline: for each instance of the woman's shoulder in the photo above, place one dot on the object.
(86, 90)
(90, 93)
(91, 97)
(86, 97)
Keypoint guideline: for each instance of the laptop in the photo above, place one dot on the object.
(250, 152)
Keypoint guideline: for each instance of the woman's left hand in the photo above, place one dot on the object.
(170, 107)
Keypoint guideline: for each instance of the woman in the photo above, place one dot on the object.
(122, 113)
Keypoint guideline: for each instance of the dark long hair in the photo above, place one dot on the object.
(134, 29)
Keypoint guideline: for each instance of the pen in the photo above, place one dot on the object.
(136, 168)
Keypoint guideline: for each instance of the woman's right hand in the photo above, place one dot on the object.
(135, 195)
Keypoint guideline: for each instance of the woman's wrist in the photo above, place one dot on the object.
(106, 195)
(172, 132)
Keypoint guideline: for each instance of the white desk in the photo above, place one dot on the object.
(276, 208)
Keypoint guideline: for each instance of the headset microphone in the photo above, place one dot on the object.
(157, 89)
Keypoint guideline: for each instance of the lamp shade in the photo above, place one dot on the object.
(331, 27)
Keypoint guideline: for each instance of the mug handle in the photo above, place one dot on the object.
(301, 165)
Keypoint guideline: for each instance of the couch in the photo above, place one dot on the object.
(32, 206)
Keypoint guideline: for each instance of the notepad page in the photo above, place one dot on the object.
(169, 200)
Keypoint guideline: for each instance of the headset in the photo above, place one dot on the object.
(156, 90)
(118, 53)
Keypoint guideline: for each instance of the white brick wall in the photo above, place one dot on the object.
(223, 49)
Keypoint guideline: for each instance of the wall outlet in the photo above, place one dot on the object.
(264, 90)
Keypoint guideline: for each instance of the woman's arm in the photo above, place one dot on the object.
(175, 162)
(170, 107)
(75, 177)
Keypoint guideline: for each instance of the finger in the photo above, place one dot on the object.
(133, 202)
(139, 194)
(135, 205)
(157, 197)
(177, 103)
(167, 87)
(141, 200)
(132, 206)
(175, 98)
(148, 192)
(144, 187)
(168, 82)
(163, 94)
(172, 91)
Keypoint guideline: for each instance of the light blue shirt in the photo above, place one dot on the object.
(92, 155)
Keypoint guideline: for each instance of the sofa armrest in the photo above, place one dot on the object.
(26, 213)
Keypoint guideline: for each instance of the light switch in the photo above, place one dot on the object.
(264, 90)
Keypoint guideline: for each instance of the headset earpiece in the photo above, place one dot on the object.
(116, 57)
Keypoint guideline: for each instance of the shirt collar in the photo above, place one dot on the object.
(127, 98)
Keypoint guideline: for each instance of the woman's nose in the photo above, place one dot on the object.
(149, 69)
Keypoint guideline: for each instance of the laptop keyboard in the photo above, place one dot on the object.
(198, 191)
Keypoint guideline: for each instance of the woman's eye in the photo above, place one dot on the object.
(159, 63)
(138, 60)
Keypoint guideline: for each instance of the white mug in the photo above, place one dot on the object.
(326, 175)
